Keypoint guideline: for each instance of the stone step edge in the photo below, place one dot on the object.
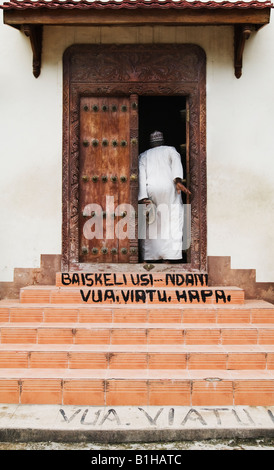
(140, 348)
(153, 279)
(248, 304)
(207, 376)
(70, 325)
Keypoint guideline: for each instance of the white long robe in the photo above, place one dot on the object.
(158, 167)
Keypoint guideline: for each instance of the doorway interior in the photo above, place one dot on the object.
(163, 113)
(168, 114)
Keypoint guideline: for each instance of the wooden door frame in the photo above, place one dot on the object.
(119, 70)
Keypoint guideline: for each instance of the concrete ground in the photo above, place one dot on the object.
(211, 444)
(57, 427)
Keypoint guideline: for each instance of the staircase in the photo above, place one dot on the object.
(136, 339)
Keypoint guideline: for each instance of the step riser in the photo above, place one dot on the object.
(133, 296)
(137, 315)
(102, 360)
(115, 392)
(200, 336)
(131, 280)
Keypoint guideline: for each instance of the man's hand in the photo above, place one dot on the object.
(180, 187)
(144, 201)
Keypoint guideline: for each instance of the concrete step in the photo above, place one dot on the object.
(189, 357)
(132, 296)
(135, 333)
(137, 387)
(251, 311)
(68, 427)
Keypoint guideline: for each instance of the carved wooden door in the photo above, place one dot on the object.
(105, 166)
(150, 69)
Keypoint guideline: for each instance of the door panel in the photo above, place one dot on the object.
(104, 179)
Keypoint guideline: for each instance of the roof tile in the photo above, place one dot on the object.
(133, 4)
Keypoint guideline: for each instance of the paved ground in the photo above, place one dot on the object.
(212, 444)
(54, 427)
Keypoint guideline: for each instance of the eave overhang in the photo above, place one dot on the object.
(31, 15)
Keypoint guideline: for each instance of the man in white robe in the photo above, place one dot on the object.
(160, 186)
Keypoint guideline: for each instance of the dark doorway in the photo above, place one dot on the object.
(168, 115)
(165, 114)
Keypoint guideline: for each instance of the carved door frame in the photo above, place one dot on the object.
(126, 70)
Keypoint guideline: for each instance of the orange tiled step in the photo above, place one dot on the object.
(192, 357)
(133, 279)
(136, 333)
(252, 311)
(133, 295)
(137, 387)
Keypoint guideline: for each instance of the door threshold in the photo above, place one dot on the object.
(134, 268)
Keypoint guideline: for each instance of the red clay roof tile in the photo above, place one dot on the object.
(132, 4)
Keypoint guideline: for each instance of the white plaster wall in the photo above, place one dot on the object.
(240, 144)
(240, 159)
(30, 163)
